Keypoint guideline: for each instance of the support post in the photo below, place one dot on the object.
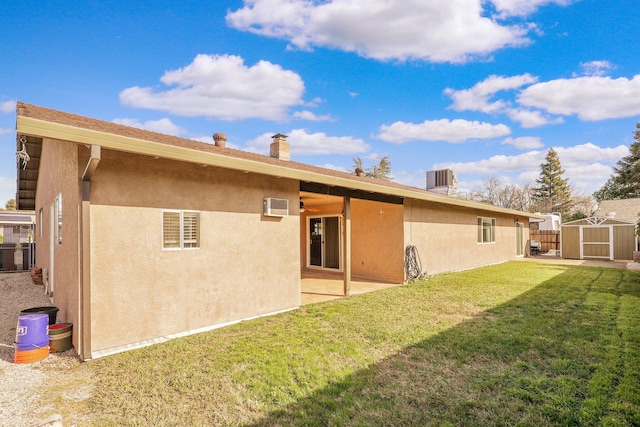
(347, 246)
(84, 327)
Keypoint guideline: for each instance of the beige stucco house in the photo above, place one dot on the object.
(145, 236)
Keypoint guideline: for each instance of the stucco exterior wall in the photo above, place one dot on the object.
(446, 237)
(59, 175)
(377, 240)
(247, 264)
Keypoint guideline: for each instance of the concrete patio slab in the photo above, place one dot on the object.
(326, 286)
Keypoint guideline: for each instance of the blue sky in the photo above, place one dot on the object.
(482, 87)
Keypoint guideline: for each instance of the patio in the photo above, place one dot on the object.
(319, 286)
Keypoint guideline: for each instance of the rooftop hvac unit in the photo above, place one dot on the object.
(275, 207)
(441, 178)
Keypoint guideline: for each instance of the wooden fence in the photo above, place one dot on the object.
(549, 239)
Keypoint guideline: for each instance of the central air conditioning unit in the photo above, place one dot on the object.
(441, 178)
(442, 182)
(275, 207)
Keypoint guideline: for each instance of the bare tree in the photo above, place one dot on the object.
(583, 206)
(511, 196)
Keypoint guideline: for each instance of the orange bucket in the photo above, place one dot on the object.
(30, 356)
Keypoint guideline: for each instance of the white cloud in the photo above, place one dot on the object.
(303, 143)
(435, 30)
(163, 125)
(590, 98)
(477, 98)
(596, 68)
(585, 165)
(6, 131)
(222, 87)
(589, 152)
(530, 161)
(8, 107)
(531, 118)
(454, 131)
(497, 164)
(308, 115)
(524, 142)
(314, 102)
(335, 168)
(523, 7)
(587, 178)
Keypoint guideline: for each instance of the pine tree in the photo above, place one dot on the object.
(625, 182)
(553, 193)
(380, 171)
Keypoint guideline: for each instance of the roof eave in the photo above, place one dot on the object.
(47, 129)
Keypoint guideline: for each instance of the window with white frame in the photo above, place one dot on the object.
(40, 219)
(180, 229)
(57, 214)
(486, 230)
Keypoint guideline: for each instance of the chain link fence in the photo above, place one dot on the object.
(17, 248)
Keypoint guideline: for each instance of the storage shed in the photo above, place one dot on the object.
(598, 238)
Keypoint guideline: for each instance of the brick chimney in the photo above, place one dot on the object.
(280, 147)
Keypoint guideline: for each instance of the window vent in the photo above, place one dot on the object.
(275, 207)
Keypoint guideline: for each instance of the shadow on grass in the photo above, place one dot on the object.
(563, 353)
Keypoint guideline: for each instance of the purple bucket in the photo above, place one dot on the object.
(32, 332)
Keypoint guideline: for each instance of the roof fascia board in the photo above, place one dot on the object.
(17, 222)
(47, 129)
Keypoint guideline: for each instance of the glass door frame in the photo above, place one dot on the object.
(323, 243)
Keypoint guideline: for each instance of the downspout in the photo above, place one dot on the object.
(84, 336)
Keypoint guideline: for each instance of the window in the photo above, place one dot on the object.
(486, 230)
(57, 214)
(180, 229)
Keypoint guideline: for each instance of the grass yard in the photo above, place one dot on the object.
(512, 344)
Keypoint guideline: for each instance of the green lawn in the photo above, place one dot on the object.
(511, 344)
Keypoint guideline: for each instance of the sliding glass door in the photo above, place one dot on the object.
(324, 239)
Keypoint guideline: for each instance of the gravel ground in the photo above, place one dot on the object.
(30, 393)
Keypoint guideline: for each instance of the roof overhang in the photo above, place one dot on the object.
(27, 173)
(47, 129)
(17, 218)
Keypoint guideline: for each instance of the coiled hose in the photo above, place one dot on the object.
(412, 265)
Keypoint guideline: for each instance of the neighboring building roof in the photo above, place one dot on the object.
(17, 218)
(624, 209)
(43, 122)
(597, 220)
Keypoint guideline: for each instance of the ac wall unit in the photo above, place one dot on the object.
(275, 207)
